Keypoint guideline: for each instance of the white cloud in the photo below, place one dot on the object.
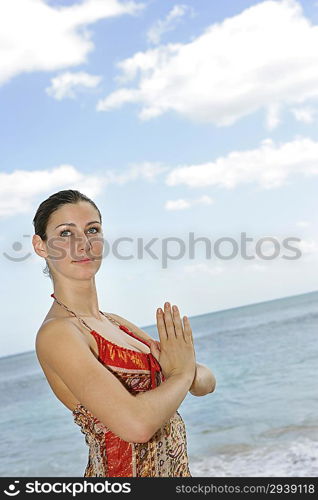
(304, 114)
(182, 204)
(201, 268)
(66, 84)
(303, 223)
(263, 58)
(273, 116)
(39, 37)
(258, 267)
(179, 204)
(269, 166)
(146, 170)
(308, 247)
(20, 188)
(169, 23)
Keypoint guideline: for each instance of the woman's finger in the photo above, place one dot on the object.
(169, 321)
(177, 321)
(187, 330)
(155, 351)
(161, 327)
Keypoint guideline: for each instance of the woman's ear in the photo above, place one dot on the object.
(39, 246)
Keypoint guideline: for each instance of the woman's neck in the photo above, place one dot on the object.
(81, 299)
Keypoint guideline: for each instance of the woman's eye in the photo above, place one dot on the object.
(68, 231)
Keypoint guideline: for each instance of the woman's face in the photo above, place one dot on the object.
(74, 232)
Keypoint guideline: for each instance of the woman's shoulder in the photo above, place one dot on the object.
(55, 325)
(55, 313)
(52, 321)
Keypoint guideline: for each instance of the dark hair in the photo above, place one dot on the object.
(50, 205)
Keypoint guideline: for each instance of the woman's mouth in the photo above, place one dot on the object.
(83, 260)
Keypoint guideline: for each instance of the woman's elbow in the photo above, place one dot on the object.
(135, 433)
(136, 430)
(142, 435)
(213, 384)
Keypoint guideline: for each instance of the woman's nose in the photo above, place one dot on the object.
(84, 243)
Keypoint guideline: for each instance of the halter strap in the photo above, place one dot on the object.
(80, 319)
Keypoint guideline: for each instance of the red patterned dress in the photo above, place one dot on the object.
(165, 454)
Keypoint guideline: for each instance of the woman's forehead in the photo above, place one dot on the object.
(79, 213)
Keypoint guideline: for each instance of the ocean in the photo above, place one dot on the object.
(261, 420)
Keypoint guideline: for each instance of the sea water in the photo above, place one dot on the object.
(261, 420)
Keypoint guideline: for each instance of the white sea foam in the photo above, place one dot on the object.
(296, 459)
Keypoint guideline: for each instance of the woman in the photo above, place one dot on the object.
(122, 387)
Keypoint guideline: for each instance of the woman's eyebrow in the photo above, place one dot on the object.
(72, 223)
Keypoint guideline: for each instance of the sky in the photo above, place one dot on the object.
(180, 120)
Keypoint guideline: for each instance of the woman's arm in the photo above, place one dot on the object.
(132, 418)
(204, 381)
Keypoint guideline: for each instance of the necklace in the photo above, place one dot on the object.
(80, 319)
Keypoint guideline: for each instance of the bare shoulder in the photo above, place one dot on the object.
(57, 324)
(56, 331)
(134, 328)
(61, 348)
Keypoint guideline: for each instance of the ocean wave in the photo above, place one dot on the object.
(291, 459)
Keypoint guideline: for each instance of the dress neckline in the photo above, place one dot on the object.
(117, 346)
(122, 327)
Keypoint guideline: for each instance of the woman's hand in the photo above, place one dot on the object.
(176, 353)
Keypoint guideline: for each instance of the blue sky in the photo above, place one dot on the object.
(198, 116)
